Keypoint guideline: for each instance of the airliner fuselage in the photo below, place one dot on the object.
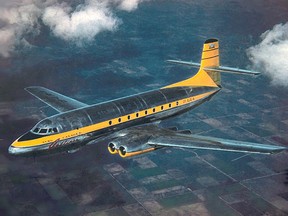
(69, 130)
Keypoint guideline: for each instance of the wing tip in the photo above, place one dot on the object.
(279, 149)
(29, 88)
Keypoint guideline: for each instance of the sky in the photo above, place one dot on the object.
(77, 24)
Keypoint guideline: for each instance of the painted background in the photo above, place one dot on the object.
(94, 52)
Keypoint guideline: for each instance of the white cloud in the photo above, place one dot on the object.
(6, 41)
(80, 25)
(270, 55)
(77, 25)
(129, 5)
(15, 22)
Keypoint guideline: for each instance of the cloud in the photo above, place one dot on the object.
(270, 55)
(80, 25)
(129, 5)
(76, 24)
(6, 43)
(16, 21)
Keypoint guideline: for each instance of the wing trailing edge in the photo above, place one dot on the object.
(211, 143)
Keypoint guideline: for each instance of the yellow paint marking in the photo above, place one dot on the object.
(210, 54)
(209, 58)
(105, 124)
(200, 79)
(206, 47)
(113, 152)
(130, 154)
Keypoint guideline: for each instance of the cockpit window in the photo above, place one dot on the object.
(45, 127)
(43, 131)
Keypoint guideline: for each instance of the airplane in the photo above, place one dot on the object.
(131, 124)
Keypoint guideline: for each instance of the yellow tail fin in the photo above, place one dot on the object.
(210, 59)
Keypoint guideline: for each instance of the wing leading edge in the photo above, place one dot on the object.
(211, 143)
(55, 100)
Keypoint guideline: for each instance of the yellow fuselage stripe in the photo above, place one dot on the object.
(105, 124)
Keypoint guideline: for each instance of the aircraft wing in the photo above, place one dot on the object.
(212, 143)
(141, 139)
(55, 100)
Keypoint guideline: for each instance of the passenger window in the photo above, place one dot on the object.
(119, 120)
(169, 105)
(146, 112)
(154, 109)
(55, 130)
(162, 107)
(36, 130)
(50, 130)
(110, 122)
(137, 115)
(177, 103)
(128, 117)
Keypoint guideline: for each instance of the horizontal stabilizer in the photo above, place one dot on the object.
(221, 69)
(192, 64)
(232, 70)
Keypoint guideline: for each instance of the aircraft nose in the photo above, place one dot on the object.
(16, 150)
(12, 150)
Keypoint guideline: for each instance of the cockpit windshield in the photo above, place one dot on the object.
(45, 130)
(45, 127)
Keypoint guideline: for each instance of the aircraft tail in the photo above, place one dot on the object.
(209, 73)
(210, 59)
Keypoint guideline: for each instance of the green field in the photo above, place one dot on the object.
(170, 202)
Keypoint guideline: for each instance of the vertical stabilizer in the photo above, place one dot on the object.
(210, 59)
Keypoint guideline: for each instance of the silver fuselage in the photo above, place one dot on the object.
(121, 113)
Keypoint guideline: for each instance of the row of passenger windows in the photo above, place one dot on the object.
(146, 112)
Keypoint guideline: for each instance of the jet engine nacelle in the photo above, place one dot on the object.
(130, 145)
